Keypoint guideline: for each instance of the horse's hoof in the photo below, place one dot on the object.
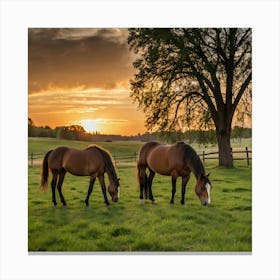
(154, 202)
(171, 202)
(142, 201)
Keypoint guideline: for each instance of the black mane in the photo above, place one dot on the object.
(192, 160)
(109, 167)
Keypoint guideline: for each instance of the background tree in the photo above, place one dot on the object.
(30, 122)
(30, 127)
(192, 78)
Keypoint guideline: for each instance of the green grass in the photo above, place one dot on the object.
(127, 226)
(42, 145)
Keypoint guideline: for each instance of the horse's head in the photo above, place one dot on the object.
(202, 189)
(114, 190)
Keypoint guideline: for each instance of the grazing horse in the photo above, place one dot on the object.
(94, 161)
(177, 160)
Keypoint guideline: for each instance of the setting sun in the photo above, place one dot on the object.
(90, 125)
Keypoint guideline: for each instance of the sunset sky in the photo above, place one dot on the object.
(81, 76)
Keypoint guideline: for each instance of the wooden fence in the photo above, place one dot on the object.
(236, 155)
(129, 160)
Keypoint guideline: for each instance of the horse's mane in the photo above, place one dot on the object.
(108, 160)
(192, 159)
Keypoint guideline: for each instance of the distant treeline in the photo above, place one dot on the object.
(77, 132)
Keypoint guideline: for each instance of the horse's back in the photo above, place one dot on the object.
(145, 151)
(153, 155)
(84, 162)
(55, 160)
(165, 159)
(160, 159)
(77, 162)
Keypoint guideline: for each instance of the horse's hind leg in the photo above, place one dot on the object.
(91, 183)
(185, 180)
(146, 188)
(174, 179)
(150, 182)
(59, 186)
(53, 185)
(142, 177)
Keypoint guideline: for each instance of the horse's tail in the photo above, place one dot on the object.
(45, 171)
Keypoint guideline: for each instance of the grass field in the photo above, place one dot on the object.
(224, 226)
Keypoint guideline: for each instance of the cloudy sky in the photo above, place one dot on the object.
(81, 76)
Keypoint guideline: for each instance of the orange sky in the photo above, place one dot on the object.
(81, 76)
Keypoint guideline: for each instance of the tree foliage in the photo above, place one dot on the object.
(190, 77)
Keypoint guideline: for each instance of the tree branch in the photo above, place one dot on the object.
(241, 91)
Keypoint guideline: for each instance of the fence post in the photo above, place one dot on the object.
(31, 158)
(203, 156)
(247, 155)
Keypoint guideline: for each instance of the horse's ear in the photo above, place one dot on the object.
(119, 179)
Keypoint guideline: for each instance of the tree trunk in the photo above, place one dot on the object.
(225, 154)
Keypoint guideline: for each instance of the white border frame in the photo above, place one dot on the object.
(17, 16)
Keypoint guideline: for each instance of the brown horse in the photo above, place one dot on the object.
(94, 161)
(177, 160)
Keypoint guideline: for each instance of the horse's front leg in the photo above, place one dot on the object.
(185, 180)
(174, 179)
(90, 188)
(103, 187)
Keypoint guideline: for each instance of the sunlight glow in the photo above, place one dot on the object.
(90, 125)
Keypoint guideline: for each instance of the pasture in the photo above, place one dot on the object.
(127, 226)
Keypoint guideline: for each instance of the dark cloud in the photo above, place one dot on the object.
(75, 57)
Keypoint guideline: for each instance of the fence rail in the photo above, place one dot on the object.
(126, 160)
(34, 158)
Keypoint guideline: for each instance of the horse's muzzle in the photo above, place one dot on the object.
(116, 199)
(204, 203)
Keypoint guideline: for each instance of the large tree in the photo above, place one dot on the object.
(192, 77)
